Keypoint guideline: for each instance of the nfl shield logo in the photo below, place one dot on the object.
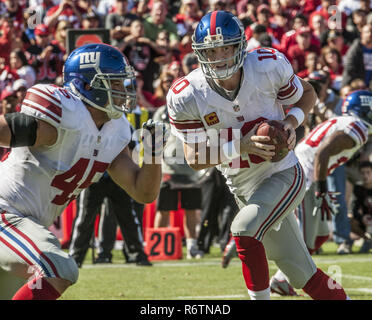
(236, 108)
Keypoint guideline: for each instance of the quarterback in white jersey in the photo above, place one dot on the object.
(329, 145)
(195, 106)
(63, 140)
(228, 97)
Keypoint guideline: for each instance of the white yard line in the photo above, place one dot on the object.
(366, 290)
(362, 278)
(349, 259)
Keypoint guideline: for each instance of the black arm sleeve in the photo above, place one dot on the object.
(23, 129)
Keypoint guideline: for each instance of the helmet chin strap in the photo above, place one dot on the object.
(111, 112)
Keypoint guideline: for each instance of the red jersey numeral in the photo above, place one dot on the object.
(61, 90)
(266, 53)
(69, 180)
(179, 85)
(64, 92)
(248, 126)
(319, 132)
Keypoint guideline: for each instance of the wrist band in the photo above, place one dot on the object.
(298, 114)
(229, 150)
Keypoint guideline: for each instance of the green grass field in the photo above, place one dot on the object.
(204, 279)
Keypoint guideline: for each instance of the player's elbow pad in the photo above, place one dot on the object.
(23, 129)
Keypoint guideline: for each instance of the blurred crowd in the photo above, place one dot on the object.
(328, 43)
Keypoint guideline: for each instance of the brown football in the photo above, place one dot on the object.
(274, 129)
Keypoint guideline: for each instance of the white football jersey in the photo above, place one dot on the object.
(308, 147)
(195, 109)
(40, 182)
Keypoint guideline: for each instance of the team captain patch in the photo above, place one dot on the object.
(211, 119)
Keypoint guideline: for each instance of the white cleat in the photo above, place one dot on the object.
(281, 287)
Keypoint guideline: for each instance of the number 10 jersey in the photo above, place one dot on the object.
(40, 182)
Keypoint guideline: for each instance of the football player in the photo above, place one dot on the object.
(329, 145)
(62, 141)
(229, 95)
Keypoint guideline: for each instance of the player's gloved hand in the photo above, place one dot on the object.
(154, 137)
(325, 201)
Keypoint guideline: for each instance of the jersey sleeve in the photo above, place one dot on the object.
(357, 131)
(184, 118)
(274, 74)
(289, 87)
(43, 103)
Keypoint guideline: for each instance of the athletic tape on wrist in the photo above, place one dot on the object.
(298, 114)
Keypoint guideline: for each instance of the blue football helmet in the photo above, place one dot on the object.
(219, 29)
(98, 64)
(359, 103)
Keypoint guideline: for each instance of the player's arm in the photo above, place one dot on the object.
(292, 91)
(299, 113)
(325, 201)
(142, 184)
(333, 145)
(21, 130)
(305, 103)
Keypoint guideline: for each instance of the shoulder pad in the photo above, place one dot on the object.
(53, 104)
(124, 130)
(266, 59)
(355, 128)
(180, 92)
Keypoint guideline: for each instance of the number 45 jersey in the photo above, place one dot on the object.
(40, 182)
(196, 111)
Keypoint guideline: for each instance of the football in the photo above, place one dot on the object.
(274, 129)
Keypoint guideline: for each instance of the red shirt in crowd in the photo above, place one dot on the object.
(310, 6)
(274, 30)
(297, 56)
(5, 41)
(289, 40)
(67, 14)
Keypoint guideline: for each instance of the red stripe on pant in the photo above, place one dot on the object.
(254, 263)
(318, 288)
(264, 224)
(25, 237)
(288, 205)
